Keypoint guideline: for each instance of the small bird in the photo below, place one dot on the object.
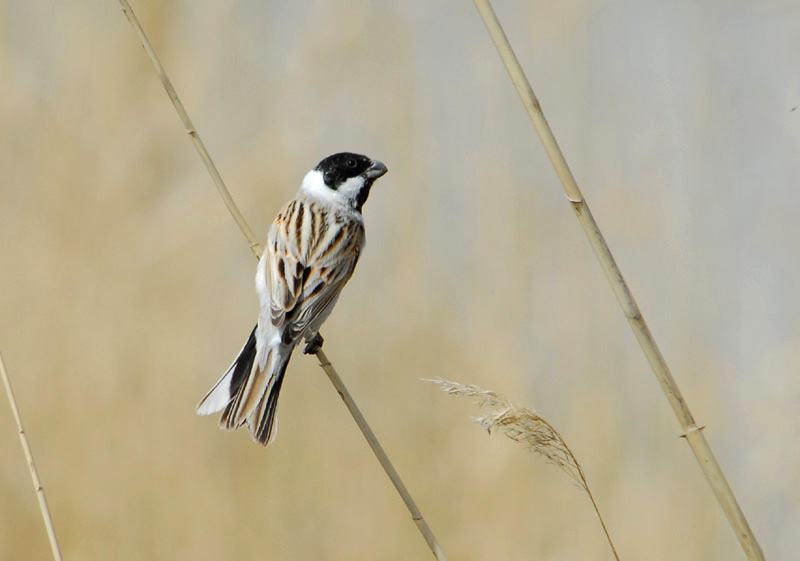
(312, 249)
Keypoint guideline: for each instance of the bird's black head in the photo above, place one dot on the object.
(351, 175)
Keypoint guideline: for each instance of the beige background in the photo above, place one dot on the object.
(127, 289)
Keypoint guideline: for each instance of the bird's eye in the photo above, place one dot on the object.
(351, 163)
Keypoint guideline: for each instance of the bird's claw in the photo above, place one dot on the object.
(313, 345)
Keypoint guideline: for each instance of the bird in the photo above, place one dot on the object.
(311, 252)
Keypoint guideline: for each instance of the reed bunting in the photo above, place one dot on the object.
(311, 252)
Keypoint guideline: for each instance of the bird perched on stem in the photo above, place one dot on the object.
(312, 249)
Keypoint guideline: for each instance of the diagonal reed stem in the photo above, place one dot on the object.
(190, 130)
(26, 448)
(256, 249)
(416, 515)
(692, 432)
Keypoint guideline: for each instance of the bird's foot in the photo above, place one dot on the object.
(314, 345)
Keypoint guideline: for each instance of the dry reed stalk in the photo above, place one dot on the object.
(416, 515)
(191, 131)
(326, 365)
(692, 432)
(26, 448)
(524, 425)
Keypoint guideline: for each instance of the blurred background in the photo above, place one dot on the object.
(127, 289)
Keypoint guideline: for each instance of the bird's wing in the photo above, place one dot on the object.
(311, 253)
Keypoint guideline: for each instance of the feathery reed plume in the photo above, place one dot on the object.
(324, 363)
(524, 425)
(691, 431)
(26, 448)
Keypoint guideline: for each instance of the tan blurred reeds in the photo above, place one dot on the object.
(126, 286)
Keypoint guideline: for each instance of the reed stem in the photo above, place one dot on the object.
(692, 432)
(256, 249)
(416, 515)
(190, 130)
(26, 448)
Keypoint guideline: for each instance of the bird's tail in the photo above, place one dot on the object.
(247, 393)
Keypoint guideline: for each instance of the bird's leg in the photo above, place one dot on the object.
(313, 345)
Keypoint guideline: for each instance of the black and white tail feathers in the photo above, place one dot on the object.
(223, 391)
(247, 393)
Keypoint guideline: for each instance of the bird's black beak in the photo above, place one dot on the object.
(376, 170)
